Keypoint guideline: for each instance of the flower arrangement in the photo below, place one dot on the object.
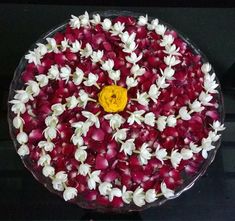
(115, 110)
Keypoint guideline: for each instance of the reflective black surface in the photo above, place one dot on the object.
(22, 198)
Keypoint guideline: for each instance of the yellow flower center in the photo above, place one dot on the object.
(113, 98)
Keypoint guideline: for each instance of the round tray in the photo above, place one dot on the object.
(17, 84)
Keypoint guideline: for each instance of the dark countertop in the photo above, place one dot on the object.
(22, 197)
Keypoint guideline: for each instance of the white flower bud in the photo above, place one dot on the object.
(18, 122)
(206, 68)
(22, 138)
(23, 150)
(69, 193)
(106, 24)
(48, 171)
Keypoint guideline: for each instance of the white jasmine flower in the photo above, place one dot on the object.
(23, 150)
(50, 133)
(172, 50)
(128, 146)
(92, 118)
(161, 82)
(210, 83)
(142, 98)
(133, 58)
(145, 154)
(53, 72)
(131, 82)
(137, 71)
(94, 178)
(97, 56)
(171, 121)
(117, 28)
(143, 20)
(18, 122)
(80, 154)
(74, 22)
(168, 73)
(149, 119)
(153, 24)
(78, 76)
(194, 147)
(184, 114)
(18, 106)
(77, 139)
(33, 88)
(52, 46)
(161, 123)
(58, 109)
(96, 19)
(154, 92)
(136, 116)
(126, 195)
(48, 170)
(46, 145)
(167, 40)
(106, 24)
(108, 65)
(205, 98)
(84, 169)
(168, 193)
(150, 195)
(91, 80)
(22, 138)
(34, 57)
(58, 185)
(23, 96)
(196, 106)
(128, 48)
(62, 176)
(115, 120)
(51, 121)
(83, 97)
(114, 75)
(105, 188)
(76, 46)
(186, 154)
(44, 159)
(161, 154)
(87, 51)
(139, 197)
(72, 102)
(42, 49)
(114, 192)
(206, 146)
(42, 80)
(64, 44)
(176, 157)
(206, 68)
(69, 193)
(81, 127)
(160, 29)
(214, 136)
(126, 38)
(65, 73)
(171, 60)
(84, 19)
(120, 134)
(217, 126)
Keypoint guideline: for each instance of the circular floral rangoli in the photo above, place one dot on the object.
(114, 110)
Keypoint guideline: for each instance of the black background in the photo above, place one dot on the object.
(210, 27)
